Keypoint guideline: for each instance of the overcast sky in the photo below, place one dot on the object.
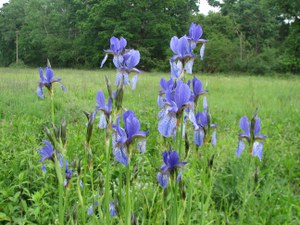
(2, 2)
(204, 7)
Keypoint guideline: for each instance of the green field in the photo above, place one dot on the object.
(210, 195)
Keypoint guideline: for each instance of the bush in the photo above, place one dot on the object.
(18, 65)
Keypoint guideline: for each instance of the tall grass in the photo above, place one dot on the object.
(210, 195)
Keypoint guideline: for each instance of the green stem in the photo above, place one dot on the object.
(128, 203)
(174, 202)
(85, 165)
(60, 190)
(179, 135)
(164, 207)
(245, 191)
(107, 178)
(189, 203)
(202, 191)
(52, 107)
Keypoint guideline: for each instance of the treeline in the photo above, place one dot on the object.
(258, 36)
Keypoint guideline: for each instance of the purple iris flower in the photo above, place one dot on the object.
(68, 173)
(112, 209)
(166, 86)
(117, 48)
(202, 126)
(124, 60)
(175, 102)
(47, 152)
(195, 33)
(171, 163)
(251, 135)
(104, 109)
(183, 53)
(181, 48)
(47, 81)
(126, 65)
(122, 138)
(197, 89)
(91, 208)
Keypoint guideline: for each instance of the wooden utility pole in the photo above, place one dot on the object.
(17, 47)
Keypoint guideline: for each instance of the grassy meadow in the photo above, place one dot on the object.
(210, 194)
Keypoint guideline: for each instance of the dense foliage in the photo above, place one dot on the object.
(248, 35)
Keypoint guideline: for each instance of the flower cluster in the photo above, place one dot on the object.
(202, 126)
(178, 99)
(183, 47)
(171, 163)
(125, 60)
(123, 138)
(49, 153)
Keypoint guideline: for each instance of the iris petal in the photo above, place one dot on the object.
(205, 105)
(49, 74)
(39, 92)
(199, 136)
(120, 155)
(258, 149)
(133, 59)
(245, 126)
(141, 145)
(174, 44)
(167, 125)
(134, 81)
(202, 49)
(189, 66)
(163, 180)
(182, 95)
(104, 60)
(214, 138)
(240, 148)
(257, 126)
(102, 122)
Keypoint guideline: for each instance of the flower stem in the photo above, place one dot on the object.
(60, 190)
(85, 166)
(179, 135)
(107, 174)
(174, 202)
(52, 107)
(245, 191)
(189, 202)
(164, 201)
(128, 202)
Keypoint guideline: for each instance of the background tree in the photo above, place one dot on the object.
(258, 36)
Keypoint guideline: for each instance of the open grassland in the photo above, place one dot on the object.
(214, 194)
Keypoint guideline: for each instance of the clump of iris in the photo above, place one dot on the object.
(123, 138)
(251, 136)
(125, 60)
(47, 81)
(170, 167)
(204, 130)
(176, 100)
